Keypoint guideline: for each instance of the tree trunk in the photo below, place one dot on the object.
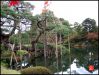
(69, 51)
(45, 43)
(57, 53)
(61, 53)
(34, 45)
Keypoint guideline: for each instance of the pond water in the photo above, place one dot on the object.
(76, 63)
(74, 69)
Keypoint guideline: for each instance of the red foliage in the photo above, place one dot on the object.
(13, 3)
(92, 36)
(18, 58)
(46, 2)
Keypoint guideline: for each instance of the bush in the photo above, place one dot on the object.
(4, 64)
(40, 46)
(22, 52)
(36, 70)
(6, 53)
(2, 47)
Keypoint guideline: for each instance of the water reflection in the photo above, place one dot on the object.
(74, 69)
(80, 65)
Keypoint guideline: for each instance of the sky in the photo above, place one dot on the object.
(73, 11)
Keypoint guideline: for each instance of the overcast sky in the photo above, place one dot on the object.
(73, 11)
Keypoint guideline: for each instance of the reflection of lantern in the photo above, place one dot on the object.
(91, 67)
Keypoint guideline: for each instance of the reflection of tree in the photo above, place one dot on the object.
(85, 56)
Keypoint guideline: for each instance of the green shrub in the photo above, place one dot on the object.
(2, 47)
(40, 46)
(21, 52)
(6, 53)
(36, 70)
(4, 64)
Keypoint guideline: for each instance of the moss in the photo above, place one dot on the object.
(36, 70)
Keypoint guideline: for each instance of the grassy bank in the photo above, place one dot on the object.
(8, 71)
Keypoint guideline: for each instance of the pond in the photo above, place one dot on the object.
(74, 69)
(77, 62)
